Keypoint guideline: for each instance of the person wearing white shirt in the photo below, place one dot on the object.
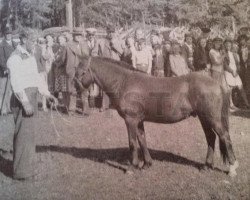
(142, 58)
(26, 83)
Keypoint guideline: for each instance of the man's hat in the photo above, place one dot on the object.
(141, 40)
(77, 31)
(188, 35)
(6, 31)
(228, 40)
(242, 37)
(110, 29)
(217, 39)
(244, 28)
(91, 31)
(23, 35)
(155, 32)
(205, 30)
(175, 42)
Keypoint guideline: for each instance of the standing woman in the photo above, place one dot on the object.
(217, 56)
(178, 64)
(142, 58)
(231, 65)
(188, 51)
(48, 56)
(60, 87)
(201, 59)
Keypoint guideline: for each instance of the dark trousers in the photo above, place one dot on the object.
(24, 137)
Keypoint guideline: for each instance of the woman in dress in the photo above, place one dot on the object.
(142, 58)
(201, 60)
(231, 66)
(178, 64)
(217, 56)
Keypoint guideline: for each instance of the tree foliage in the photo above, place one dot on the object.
(46, 13)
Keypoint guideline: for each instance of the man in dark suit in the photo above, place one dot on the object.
(6, 49)
(75, 49)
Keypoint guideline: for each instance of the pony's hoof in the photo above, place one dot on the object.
(147, 165)
(232, 169)
(232, 174)
(206, 168)
(129, 172)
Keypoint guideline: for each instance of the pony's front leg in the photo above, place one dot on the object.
(210, 137)
(131, 127)
(143, 144)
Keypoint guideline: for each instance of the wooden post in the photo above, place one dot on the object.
(69, 15)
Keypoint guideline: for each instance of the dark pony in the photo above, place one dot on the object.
(138, 97)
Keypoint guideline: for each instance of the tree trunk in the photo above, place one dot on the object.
(69, 15)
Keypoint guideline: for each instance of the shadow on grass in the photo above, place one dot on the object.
(242, 113)
(119, 155)
(6, 165)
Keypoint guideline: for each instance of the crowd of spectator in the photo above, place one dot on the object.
(46, 65)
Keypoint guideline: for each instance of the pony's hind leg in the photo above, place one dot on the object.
(132, 137)
(210, 137)
(143, 144)
(226, 148)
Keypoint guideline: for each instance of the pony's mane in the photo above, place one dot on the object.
(119, 63)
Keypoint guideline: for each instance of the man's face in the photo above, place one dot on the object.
(61, 40)
(217, 45)
(30, 46)
(248, 43)
(23, 40)
(176, 49)
(8, 37)
(228, 46)
(139, 34)
(141, 46)
(77, 38)
(90, 37)
(242, 42)
(49, 40)
(189, 40)
(203, 43)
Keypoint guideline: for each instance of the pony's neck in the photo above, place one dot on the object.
(108, 76)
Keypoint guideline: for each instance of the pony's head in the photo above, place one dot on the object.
(84, 75)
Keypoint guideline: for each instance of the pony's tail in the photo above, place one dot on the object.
(225, 122)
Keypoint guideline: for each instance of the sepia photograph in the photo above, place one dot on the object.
(124, 100)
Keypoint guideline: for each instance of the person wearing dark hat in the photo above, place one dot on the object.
(112, 46)
(205, 31)
(188, 51)
(232, 67)
(201, 59)
(94, 49)
(243, 30)
(75, 49)
(6, 48)
(158, 56)
(217, 56)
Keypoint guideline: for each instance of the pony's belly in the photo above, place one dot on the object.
(169, 117)
(167, 111)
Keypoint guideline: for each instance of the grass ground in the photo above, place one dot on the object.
(78, 159)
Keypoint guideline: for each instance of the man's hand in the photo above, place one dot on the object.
(235, 74)
(52, 100)
(28, 108)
